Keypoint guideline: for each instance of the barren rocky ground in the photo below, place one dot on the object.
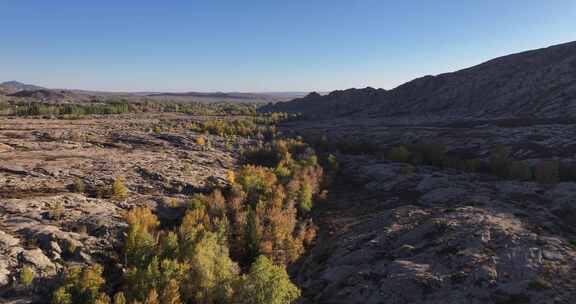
(389, 232)
(440, 236)
(46, 226)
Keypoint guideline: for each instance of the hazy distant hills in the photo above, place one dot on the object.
(21, 90)
(10, 87)
(538, 83)
(264, 97)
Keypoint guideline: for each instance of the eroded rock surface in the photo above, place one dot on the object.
(440, 236)
(46, 226)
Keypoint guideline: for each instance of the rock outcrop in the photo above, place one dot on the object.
(539, 83)
(441, 236)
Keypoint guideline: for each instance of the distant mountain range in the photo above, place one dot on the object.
(10, 87)
(538, 83)
(18, 89)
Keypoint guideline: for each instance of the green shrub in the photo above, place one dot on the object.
(26, 276)
(305, 198)
(79, 186)
(119, 190)
(399, 154)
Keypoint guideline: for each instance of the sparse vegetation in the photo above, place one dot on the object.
(79, 186)
(230, 246)
(201, 141)
(26, 276)
(399, 154)
(115, 105)
(119, 190)
(252, 127)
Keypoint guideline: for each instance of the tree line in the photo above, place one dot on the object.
(110, 106)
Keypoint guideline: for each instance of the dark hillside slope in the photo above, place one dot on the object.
(538, 83)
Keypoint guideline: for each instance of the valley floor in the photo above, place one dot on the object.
(388, 233)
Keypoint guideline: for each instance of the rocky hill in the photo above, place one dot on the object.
(10, 87)
(47, 95)
(538, 83)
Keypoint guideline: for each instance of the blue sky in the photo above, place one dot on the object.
(265, 45)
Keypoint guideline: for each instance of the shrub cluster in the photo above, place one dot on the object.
(107, 106)
(433, 155)
(41, 109)
(261, 127)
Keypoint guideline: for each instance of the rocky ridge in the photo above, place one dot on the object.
(538, 83)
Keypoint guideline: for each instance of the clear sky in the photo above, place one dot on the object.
(264, 45)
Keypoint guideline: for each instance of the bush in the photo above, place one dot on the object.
(201, 141)
(119, 190)
(56, 211)
(399, 154)
(333, 164)
(305, 198)
(26, 276)
(79, 186)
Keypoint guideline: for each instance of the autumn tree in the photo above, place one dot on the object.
(201, 141)
(80, 285)
(119, 190)
(267, 283)
(171, 293)
(102, 299)
(140, 240)
(213, 273)
(305, 198)
(119, 298)
(26, 276)
(61, 296)
(152, 297)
